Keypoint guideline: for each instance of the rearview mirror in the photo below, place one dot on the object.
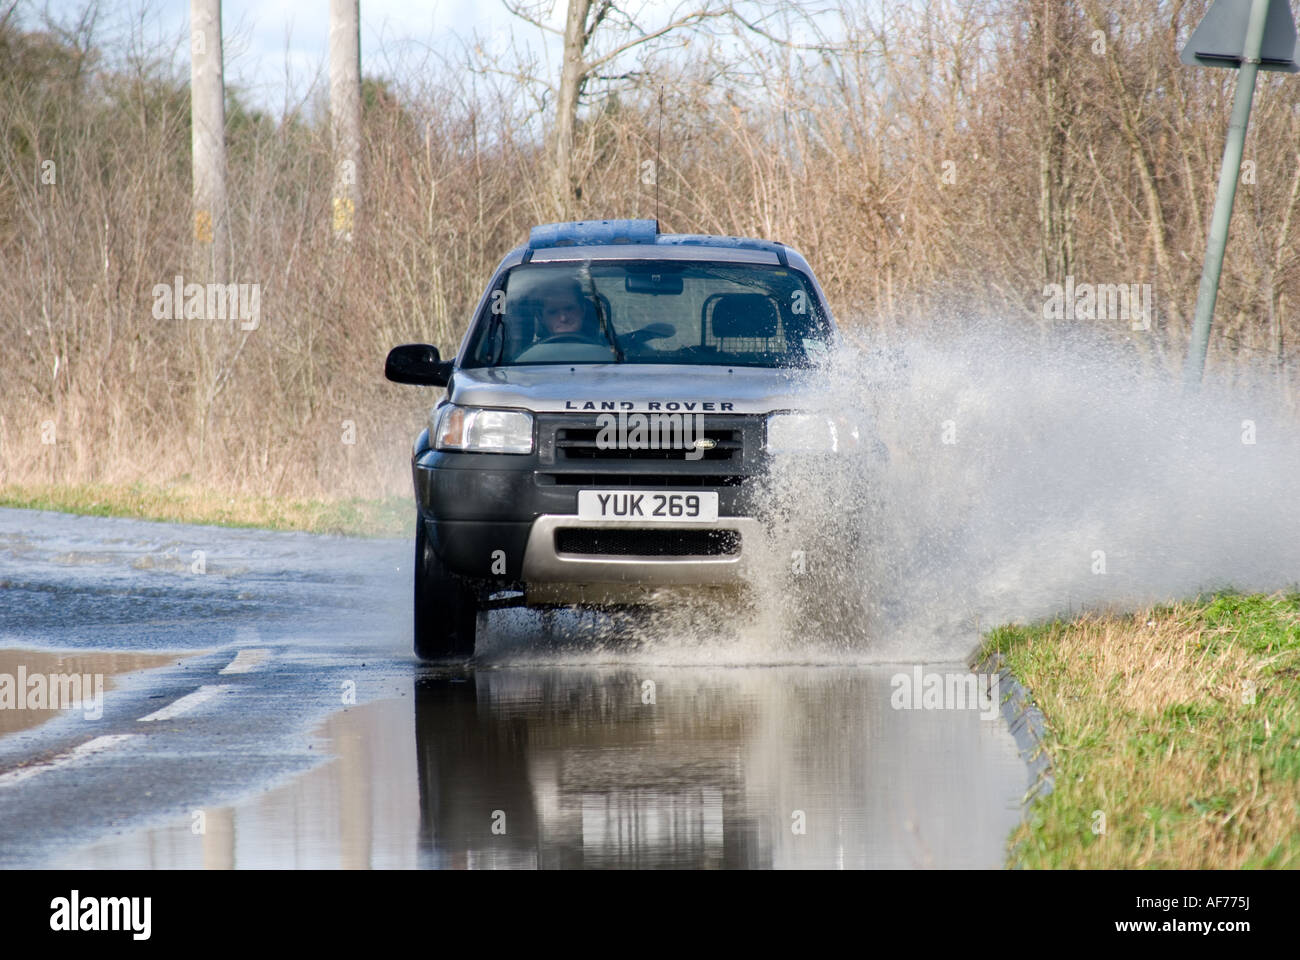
(418, 364)
(656, 284)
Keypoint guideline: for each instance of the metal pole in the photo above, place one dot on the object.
(345, 110)
(208, 137)
(1194, 367)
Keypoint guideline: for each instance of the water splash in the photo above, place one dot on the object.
(1032, 479)
(998, 480)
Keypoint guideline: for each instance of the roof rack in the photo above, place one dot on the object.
(582, 233)
(737, 243)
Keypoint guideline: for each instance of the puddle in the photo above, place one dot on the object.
(66, 679)
(787, 767)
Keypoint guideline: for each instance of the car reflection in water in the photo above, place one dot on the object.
(547, 765)
(528, 770)
(774, 767)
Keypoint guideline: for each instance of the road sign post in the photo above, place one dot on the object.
(1248, 35)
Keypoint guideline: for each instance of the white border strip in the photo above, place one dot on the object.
(246, 660)
(187, 703)
(89, 748)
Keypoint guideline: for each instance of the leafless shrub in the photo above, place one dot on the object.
(921, 155)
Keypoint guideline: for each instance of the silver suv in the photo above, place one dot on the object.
(607, 422)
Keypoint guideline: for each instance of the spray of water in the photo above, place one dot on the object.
(997, 480)
(1032, 479)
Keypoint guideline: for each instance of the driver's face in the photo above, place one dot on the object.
(562, 315)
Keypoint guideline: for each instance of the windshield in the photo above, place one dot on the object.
(650, 311)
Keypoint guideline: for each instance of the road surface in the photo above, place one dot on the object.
(261, 708)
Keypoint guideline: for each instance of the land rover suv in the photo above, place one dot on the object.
(605, 423)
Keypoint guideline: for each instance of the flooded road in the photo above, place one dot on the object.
(282, 722)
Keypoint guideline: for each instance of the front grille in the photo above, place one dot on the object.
(581, 443)
(648, 543)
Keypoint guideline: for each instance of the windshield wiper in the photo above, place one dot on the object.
(605, 325)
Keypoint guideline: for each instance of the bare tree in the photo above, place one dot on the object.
(904, 147)
(586, 52)
(1054, 44)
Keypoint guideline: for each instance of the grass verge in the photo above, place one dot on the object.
(1174, 735)
(185, 503)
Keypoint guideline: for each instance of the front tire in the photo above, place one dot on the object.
(446, 607)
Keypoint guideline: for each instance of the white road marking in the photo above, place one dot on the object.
(86, 749)
(187, 703)
(246, 660)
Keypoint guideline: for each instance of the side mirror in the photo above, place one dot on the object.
(419, 364)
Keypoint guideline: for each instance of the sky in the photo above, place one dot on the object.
(276, 51)
(269, 40)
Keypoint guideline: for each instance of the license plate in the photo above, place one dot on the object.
(642, 506)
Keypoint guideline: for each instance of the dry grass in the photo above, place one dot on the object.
(1021, 156)
(189, 503)
(1151, 723)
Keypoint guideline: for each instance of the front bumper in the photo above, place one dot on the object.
(552, 574)
(495, 517)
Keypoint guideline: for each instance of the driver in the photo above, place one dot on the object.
(560, 315)
(563, 311)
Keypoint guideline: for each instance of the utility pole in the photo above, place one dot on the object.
(208, 139)
(1247, 35)
(345, 112)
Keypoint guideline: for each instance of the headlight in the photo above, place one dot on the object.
(483, 431)
(811, 433)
